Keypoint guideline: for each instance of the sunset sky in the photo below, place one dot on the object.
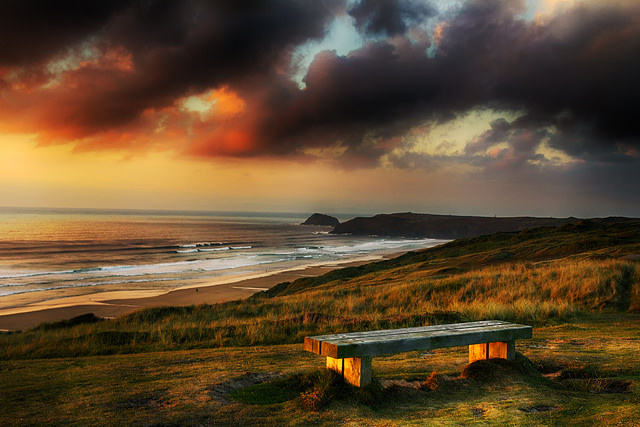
(454, 107)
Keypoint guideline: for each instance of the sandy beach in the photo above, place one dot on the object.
(114, 304)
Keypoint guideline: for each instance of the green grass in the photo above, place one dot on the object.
(183, 387)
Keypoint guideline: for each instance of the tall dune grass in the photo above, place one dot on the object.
(525, 292)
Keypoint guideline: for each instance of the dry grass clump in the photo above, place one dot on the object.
(432, 382)
(320, 389)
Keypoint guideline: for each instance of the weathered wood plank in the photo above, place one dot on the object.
(312, 345)
(350, 354)
(502, 350)
(385, 332)
(422, 338)
(420, 343)
(410, 331)
(428, 342)
(492, 350)
(368, 339)
(478, 352)
(354, 370)
(356, 336)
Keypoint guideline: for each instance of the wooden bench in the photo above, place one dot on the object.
(350, 354)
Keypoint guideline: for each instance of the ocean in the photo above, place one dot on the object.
(59, 253)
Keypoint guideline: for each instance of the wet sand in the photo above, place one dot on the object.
(114, 304)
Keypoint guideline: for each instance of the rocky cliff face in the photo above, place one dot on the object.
(322, 219)
(441, 226)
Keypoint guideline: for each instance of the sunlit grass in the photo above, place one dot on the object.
(533, 293)
(180, 387)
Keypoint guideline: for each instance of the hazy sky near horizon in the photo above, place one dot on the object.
(464, 107)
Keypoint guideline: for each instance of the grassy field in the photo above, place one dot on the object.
(192, 386)
(243, 363)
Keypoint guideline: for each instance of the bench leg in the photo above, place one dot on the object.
(354, 370)
(500, 350)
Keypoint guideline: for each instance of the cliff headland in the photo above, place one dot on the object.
(452, 226)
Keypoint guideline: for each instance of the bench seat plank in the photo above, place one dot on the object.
(374, 343)
(418, 334)
(384, 332)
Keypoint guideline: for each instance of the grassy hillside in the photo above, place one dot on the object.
(584, 239)
(539, 277)
(242, 363)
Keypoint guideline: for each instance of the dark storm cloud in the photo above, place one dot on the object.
(31, 31)
(506, 147)
(217, 40)
(185, 47)
(389, 17)
(370, 94)
(575, 73)
(498, 132)
(177, 47)
(413, 160)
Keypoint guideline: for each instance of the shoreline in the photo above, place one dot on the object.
(118, 303)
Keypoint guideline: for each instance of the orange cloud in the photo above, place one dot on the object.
(76, 102)
(236, 141)
(57, 102)
(229, 128)
(226, 102)
(224, 140)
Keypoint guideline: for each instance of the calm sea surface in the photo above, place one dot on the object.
(47, 253)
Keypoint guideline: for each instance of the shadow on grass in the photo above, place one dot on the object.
(312, 391)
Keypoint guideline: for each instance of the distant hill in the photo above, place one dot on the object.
(581, 240)
(451, 226)
(322, 219)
